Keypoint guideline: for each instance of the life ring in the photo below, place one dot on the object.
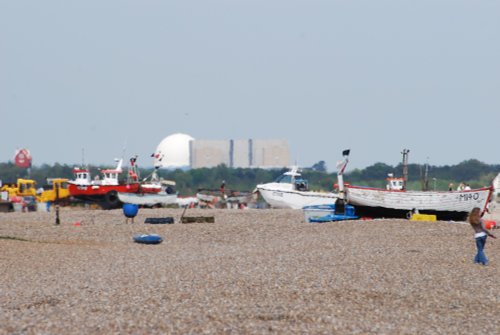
(148, 239)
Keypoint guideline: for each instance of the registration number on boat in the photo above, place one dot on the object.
(278, 194)
(469, 196)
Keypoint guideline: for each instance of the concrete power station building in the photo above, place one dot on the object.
(183, 151)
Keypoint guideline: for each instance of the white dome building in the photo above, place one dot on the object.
(173, 151)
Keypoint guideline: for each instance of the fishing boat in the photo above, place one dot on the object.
(290, 190)
(222, 197)
(395, 201)
(103, 191)
(150, 184)
(210, 196)
(239, 197)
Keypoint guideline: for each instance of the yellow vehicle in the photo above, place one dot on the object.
(23, 188)
(58, 190)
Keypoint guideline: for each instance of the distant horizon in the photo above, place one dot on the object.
(141, 166)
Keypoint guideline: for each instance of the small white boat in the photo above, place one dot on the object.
(211, 196)
(166, 196)
(187, 201)
(290, 190)
(148, 199)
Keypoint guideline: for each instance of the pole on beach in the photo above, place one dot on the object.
(183, 212)
(58, 221)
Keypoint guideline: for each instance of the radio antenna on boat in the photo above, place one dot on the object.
(83, 157)
(124, 148)
(405, 167)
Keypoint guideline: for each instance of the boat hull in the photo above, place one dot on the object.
(148, 199)
(100, 190)
(295, 199)
(104, 195)
(454, 205)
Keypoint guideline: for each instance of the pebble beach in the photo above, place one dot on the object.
(250, 272)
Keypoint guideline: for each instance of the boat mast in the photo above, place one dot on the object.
(425, 181)
(405, 167)
(340, 172)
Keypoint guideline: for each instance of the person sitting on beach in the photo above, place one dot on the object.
(480, 234)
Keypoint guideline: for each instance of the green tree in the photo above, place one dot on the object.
(319, 166)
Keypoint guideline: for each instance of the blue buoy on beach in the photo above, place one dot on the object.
(130, 210)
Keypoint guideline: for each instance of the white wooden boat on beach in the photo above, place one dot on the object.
(290, 190)
(452, 205)
(396, 201)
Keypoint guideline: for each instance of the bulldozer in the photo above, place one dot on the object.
(57, 190)
(24, 192)
(23, 188)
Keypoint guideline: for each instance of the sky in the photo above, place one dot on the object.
(95, 80)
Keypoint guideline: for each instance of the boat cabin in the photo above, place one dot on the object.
(82, 176)
(294, 178)
(395, 184)
(110, 177)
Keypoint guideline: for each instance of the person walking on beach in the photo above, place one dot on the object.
(480, 234)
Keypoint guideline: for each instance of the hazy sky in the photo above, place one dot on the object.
(372, 76)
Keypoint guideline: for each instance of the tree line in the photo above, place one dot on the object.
(472, 172)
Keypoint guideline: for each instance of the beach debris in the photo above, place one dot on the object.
(165, 220)
(197, 219)
(423, 217)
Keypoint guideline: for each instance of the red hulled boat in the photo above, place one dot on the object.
(102, 191)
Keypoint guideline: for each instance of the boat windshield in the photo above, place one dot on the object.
(111, 175)
(287, 179)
